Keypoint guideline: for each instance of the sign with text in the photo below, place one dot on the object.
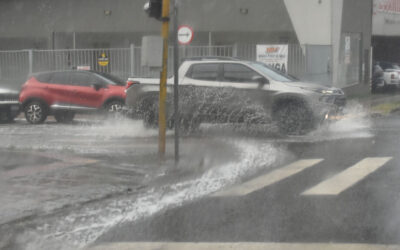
(386, 17)
(103, 60)
(275, 56)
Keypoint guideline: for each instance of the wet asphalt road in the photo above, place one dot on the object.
(367, 211)
(101, 182)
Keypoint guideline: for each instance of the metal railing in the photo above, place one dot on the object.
(15, 66)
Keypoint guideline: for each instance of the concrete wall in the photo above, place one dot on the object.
(53, 22)
(311, 20)
(357, 18)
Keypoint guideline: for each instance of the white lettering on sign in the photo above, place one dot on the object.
(275, 56)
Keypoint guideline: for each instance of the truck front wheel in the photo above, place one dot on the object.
(293, 119)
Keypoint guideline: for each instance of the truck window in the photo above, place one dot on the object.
(204, 71)
(238, 73)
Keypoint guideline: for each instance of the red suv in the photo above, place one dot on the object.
(64, 93)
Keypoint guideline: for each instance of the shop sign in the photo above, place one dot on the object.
(103, 60)
(275, 56)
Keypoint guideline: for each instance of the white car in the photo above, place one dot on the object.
(229, 91)
(390, 75)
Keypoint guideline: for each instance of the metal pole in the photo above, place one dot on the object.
(176, 82)
(74, 40)
(30, 58)
(163, 81)
(132, 54)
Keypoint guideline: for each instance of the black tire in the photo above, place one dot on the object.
(6, 116)
(189, 123)
(293, 119)
(36, 112)
(64, 116)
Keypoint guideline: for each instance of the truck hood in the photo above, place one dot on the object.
(314, 87)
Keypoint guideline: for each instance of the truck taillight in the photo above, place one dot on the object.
(130, 83)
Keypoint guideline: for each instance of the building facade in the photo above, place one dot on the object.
(334, 35)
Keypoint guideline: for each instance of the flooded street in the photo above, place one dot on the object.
(74, 183)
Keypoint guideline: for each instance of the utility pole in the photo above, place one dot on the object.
(163, 79)
(159, 9)
(176, 82)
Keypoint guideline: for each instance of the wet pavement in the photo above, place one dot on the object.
(94, 169)
(348, 195)
(66, 186)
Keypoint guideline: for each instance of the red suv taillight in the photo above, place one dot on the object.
(131, 83)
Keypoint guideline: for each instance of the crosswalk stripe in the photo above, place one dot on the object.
(269, 179)
(348, 177)
(239, 246)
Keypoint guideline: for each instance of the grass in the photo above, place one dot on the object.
(386, 108)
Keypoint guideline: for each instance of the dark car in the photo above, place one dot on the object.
(65, 93)
(9, 105)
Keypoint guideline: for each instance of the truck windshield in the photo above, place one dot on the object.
(272, 73)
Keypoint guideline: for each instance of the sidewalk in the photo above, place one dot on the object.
(380, 104)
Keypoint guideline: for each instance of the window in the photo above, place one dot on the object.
(44, 77)
(60, 78)
(82, 79)
(204, 71)
(238, 73)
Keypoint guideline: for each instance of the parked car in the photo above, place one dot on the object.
(220, 91)
(65, 93)
(9, 105)
(385, 75)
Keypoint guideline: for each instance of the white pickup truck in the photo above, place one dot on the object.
(234, 91)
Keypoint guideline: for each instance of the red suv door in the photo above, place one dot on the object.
(59, 89)
(88, 90)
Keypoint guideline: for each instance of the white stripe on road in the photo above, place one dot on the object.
(269, 179)
(240, 246)
(348, 177)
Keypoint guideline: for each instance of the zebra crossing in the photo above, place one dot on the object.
(332, 186)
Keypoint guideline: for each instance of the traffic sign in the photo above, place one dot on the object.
(185, 35)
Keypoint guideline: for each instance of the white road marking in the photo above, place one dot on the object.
(269, 179)
(348, 177)
(240, 246)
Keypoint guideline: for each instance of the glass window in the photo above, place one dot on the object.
(60, 78)
(205, 71)
(238, 73)
(111, 79)
(44, 77)
(82, 79)
(272, 73)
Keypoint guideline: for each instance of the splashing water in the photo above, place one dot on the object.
(80, 228)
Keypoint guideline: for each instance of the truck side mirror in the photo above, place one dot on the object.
(261, 80)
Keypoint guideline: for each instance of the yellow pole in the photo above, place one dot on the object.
(163, 80)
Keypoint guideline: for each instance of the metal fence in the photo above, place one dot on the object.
(15, 66)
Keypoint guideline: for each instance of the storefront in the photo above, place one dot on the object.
(386, 30)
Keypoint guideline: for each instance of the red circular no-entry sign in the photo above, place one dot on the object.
(185, 34)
